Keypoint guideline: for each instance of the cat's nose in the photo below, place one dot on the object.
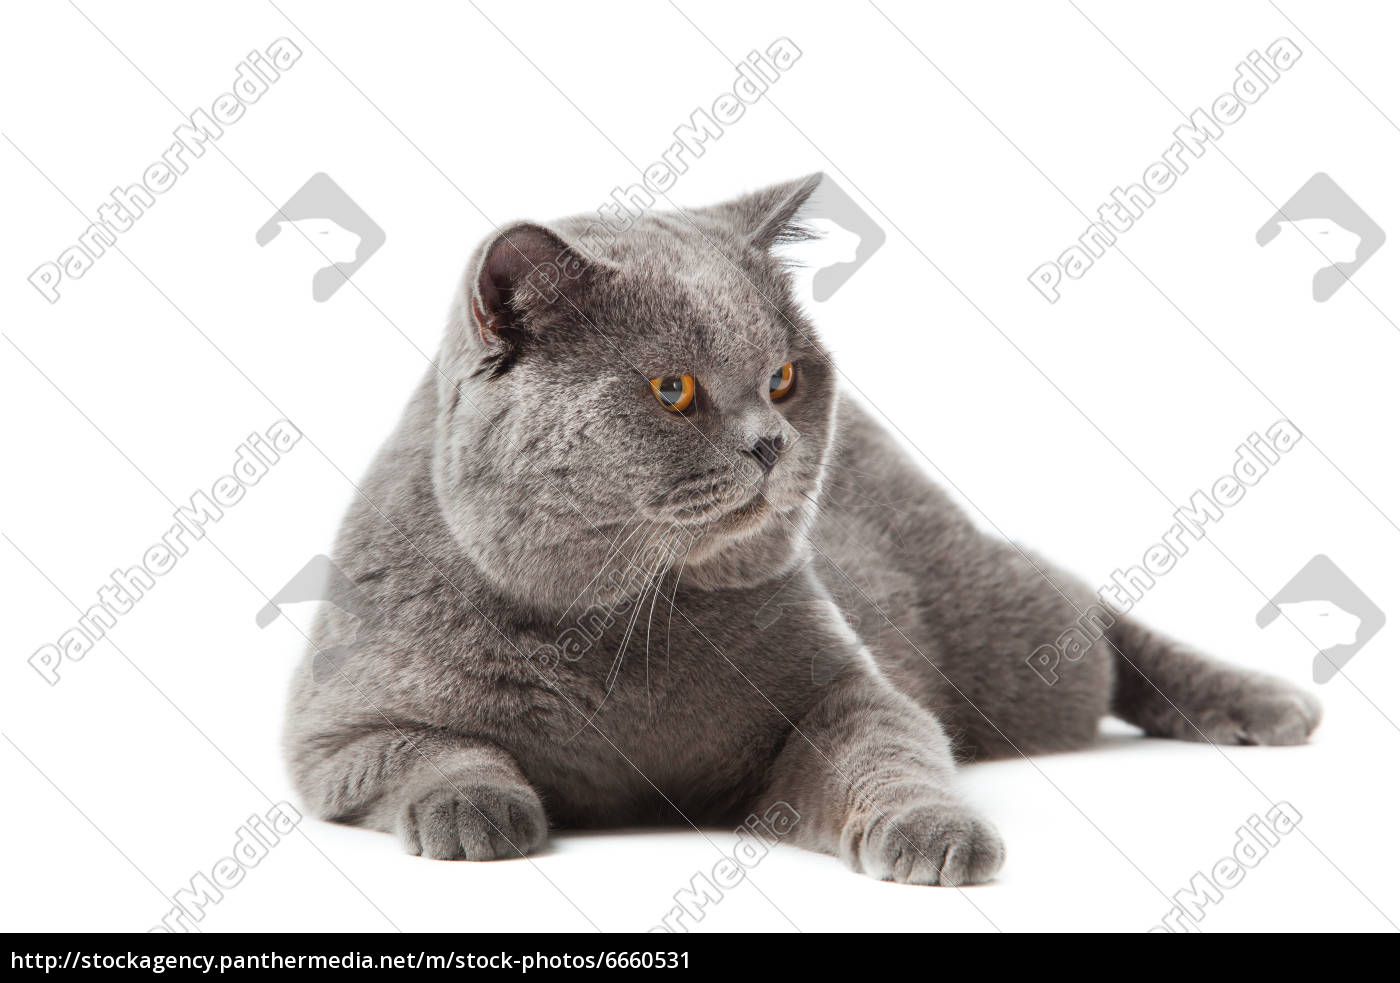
(766, 451)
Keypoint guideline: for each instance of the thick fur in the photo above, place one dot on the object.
(595, 611)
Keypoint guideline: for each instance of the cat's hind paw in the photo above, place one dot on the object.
(1261, 711)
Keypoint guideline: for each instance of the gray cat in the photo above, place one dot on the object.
(636, 560)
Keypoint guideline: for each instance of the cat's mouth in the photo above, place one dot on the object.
(711, 499)
(725, 505)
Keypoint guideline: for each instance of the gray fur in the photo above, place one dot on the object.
(596, 612)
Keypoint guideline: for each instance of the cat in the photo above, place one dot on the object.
(638, 560)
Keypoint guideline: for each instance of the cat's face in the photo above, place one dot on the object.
(660, 395)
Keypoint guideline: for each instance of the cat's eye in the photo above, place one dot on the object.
(780, 383)
(675, 393)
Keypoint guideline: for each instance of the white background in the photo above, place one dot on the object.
(1075, 428)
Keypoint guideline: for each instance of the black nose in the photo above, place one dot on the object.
(766, 450)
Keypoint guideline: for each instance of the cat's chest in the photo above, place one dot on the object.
(624, 716)
(695, 727)
(698, 701)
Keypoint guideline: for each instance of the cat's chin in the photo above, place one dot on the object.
(766, 510)
(751, 515)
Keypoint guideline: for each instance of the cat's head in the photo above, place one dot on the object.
(611, 402)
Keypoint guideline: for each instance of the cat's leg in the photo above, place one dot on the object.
(1169, 690)
(445, 797)
(870, 775)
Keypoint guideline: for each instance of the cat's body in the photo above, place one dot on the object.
(597, 611)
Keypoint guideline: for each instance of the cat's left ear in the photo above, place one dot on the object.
(773, 215)
(519, 276)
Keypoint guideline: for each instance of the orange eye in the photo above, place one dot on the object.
(675, 393)
(780, 383)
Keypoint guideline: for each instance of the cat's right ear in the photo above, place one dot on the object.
(521, 274)
(770, 216)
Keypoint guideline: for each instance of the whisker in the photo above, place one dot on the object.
(618, 659)
(671, 613)
(646, 656)
(616, 548)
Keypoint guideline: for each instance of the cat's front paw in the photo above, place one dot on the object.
(473, 821)
(929, 843)
(1261, 710)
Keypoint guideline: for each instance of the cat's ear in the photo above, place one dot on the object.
(771, 216)
(520, 273)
